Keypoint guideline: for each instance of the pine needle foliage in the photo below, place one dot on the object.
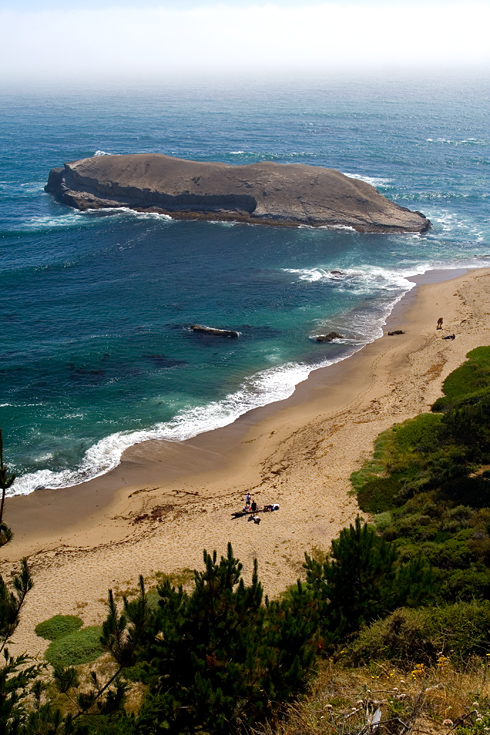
(217, 657)
(362, 580)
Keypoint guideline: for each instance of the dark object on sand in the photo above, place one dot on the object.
(266, 509)
(449, 336)
(328, 337)
(214, 330)
(259, 193)
(397, 331)
(439, 323)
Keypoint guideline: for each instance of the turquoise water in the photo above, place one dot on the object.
(96, 352)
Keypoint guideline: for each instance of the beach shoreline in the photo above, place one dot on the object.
(167, 501)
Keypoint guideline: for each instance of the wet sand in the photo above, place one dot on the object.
(167, 501)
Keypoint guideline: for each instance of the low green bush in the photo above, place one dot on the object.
(411, 636)
(376, 495)
(472, 377)
(58, 626)
(79, 647)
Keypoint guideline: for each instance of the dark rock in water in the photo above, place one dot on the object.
(265, 192)
(328, 337)
(213, 330)
(396, 331)
(336, 273)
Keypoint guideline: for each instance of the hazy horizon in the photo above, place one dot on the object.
(116, 41)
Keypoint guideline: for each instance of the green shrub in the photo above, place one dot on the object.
(375, 466)
(416, 434)
(410, 636)
(79, 647)
(382, 521)
(471, 377)
(376, 495)
(58, 626)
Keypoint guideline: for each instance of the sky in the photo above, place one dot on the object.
(163, 39)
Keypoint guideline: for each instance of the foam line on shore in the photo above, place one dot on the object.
(267, 387)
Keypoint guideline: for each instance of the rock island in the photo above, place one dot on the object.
(258, 193)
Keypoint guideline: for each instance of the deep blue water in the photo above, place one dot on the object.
(95, 349)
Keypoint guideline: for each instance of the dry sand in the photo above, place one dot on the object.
(168, 501)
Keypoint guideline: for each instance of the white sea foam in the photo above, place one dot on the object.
(32, 187)
(464, 141)
(106, 211)
(357, 280)
(104, 153)
(362, 325)
(376, 181)
(450, 222)
(266, 387)
(347, 228)
(61, 220)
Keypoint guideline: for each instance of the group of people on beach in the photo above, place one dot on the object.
(250, 504)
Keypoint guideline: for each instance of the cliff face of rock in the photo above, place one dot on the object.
(267, 192)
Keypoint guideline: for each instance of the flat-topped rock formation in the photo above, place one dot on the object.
(266, 192)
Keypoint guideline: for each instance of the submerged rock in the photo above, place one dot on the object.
(215, 331)
(328, 337)
(265, 192)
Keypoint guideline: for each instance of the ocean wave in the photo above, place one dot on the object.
(268, 386)
(357, 280)
(104, 153)
(259, 156)
(32, 187)
(464, 141)
(271, 385)
(375, 181)
(450, 222)
(360, 326)
(127, 211)
(48, 222)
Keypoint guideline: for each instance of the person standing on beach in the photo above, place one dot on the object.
(247, 500)
(439, 323)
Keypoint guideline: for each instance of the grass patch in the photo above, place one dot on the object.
(341, 700)
(471, 378)
(376, 465)
(58, 627)
(79, 647)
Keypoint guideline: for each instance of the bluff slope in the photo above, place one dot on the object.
(266, 192)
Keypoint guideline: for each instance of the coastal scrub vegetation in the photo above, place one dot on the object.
(388, 631)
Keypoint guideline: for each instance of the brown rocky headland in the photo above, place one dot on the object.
(259, 193)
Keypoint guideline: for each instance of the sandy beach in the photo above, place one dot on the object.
(167, 501)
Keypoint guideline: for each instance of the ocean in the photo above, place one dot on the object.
(96, 353)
